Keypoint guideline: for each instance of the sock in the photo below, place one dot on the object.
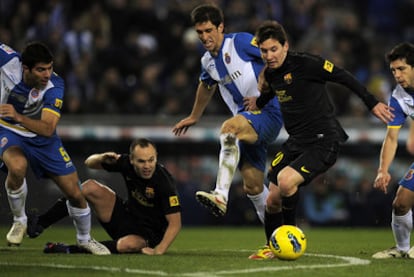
(228, 161)
(111, 245)
(259, 202)
(17, 202)
(401, 227)
(289, 205)
(58, 211)
(272, 221)
(81, 221)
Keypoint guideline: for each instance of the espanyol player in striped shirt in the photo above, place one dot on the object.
(31, 100)
(232, 63)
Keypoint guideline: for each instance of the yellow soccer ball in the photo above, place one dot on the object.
(288, 242)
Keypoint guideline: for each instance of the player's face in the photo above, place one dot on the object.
(210, 36)
(403, 73)
(38, 76)
(273, 53)
(144, 161)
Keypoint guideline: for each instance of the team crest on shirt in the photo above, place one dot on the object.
(149, 192)
(227, 58)
(34, 93)
(288, 78)
(409, 174)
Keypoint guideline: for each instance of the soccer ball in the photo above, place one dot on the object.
(288, 242)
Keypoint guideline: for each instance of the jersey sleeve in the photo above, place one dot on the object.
(6, 54)
(170, 201)
(53, 99)
(317, 66)
(399, 115)
(247, 47)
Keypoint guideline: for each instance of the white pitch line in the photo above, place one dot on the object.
(347, 261)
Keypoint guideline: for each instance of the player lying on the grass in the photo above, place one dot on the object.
(148, 222)
(30, 109)
(401, 61)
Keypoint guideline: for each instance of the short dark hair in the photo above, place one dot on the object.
(404, 50)
(142, 142)
(207, 12)
(271, 29)
(36, 52)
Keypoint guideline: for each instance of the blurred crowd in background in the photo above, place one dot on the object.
(142, 56)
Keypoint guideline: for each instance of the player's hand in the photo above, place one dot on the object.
(110, 157)
(150, 251)
(182, 126)
(250, 103)
(381, 181)
(383, 112)
(7, 110)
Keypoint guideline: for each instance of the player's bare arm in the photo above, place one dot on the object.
(45, 126)
(203, 97)
(388, 150)
(95, 161)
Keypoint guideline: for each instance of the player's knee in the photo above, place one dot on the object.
(399, 207)
(252, 188)
(130, 244)
(89, 187)
(230, 126)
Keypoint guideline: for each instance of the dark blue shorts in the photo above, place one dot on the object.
(46, 155)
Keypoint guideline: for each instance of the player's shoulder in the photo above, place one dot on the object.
(243, 38)
(7, 54)
(57, 81)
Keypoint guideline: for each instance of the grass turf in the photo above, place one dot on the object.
(212, 251)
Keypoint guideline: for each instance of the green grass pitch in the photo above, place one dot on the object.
(212, 251)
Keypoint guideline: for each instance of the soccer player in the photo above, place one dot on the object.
(298, 80)
(147, 222)
(401, 61)
(232, 64)
(30, 104)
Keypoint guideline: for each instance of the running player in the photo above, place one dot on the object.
(298, 80)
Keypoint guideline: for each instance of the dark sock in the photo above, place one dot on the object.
(289, 205)
(111, 245)
(58, 211)
(272, 221)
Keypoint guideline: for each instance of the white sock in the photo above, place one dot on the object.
(81, 221)
(401, 227)
(259, 202)
(17, 202)
(228, 161)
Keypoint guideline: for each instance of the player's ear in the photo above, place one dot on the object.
(221, 28)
